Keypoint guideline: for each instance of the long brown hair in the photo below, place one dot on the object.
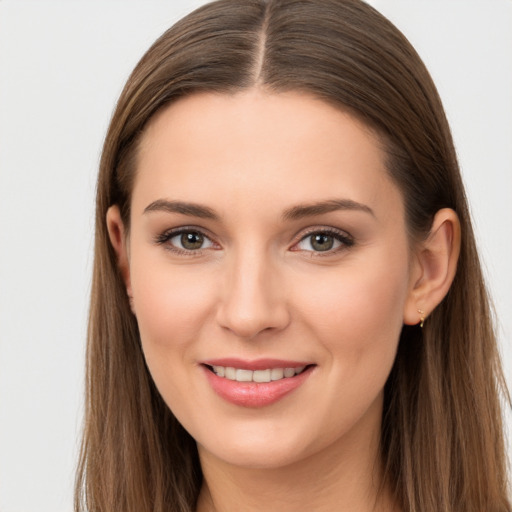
(442, 438)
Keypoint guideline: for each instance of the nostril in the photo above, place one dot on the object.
(247, 320)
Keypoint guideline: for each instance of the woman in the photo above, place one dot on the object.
(288, 311)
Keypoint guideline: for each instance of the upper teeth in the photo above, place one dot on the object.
(268, 375)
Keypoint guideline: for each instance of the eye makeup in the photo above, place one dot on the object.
(324, 241)
(193, 241)
(186, 240)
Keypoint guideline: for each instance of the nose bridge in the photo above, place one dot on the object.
(252, 300)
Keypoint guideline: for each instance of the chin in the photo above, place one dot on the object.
(257, 454)
(266, 445)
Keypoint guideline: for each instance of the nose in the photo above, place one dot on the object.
(253, 298)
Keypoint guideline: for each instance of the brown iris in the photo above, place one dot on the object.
(322, 242)
(192, 240)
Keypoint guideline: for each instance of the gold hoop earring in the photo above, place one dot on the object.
(422, 317)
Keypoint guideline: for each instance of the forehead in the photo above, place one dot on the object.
(289, 146)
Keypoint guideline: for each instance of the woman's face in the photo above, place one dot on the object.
(266, 235)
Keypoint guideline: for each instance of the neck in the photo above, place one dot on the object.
(346, 476)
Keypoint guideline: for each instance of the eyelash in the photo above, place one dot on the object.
(167, 236)
(345, 240)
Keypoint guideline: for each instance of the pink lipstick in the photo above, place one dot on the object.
(255, 383)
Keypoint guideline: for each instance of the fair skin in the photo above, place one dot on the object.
(227, 264)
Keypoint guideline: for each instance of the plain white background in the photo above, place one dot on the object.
(62, 66)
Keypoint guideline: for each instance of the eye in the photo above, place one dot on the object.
(185, 240)
(324, 241)
(190, 240)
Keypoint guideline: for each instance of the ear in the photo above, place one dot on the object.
(434, 266)
(118, 239)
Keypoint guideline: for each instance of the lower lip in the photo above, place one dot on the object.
(255, 394)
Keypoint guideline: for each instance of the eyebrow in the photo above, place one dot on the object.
(192, 209)
(293, 213)
(332, 205)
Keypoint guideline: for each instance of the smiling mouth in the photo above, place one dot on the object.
(257, 383)
(259, 376)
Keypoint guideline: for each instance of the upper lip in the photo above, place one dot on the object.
(256, 364)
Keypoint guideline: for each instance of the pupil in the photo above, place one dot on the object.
(192, 241)
(322, 242)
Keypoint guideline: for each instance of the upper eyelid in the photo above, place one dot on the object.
(167, 234)
(321, 229)
(298, 237)
(346, 240)
(187, 229)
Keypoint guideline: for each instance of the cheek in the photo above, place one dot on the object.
(170, 302)
(357, 318)
(172, 307)
(358, 313)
